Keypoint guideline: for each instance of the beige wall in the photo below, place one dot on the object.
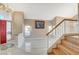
(37, 32)
(17, 23)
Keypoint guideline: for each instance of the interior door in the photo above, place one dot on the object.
(2, 31)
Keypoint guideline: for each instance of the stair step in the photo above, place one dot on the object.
(74, 40)
(70, 45)
(51, 53)
(67, 50)
(58, 51)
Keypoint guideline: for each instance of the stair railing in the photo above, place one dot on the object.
(66, 26)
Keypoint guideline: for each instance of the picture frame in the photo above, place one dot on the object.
(39, 24)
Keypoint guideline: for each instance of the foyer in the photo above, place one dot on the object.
(39, 29)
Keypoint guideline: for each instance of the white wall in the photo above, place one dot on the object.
(45, 10)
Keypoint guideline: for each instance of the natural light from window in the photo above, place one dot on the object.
(50, 28)
(27, 30)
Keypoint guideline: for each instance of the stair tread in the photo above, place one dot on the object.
(57, 51)
(66, 49)
(71, 45)
(73, 40)
(51, 53)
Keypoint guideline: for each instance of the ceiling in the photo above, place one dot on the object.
(45, 11)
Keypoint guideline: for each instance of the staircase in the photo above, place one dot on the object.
(68, 46)
(64, 37)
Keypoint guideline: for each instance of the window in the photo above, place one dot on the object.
(8, 30)
(50, 28)
(1, 17)
(27, 30)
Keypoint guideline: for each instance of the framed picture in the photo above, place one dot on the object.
(39, 24)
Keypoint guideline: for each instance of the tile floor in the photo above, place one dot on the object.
(36, 48)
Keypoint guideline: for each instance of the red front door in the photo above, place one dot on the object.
(2, 31)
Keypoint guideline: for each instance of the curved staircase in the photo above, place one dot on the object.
(68, 46)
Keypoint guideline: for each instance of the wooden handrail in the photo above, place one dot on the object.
(59, 24)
